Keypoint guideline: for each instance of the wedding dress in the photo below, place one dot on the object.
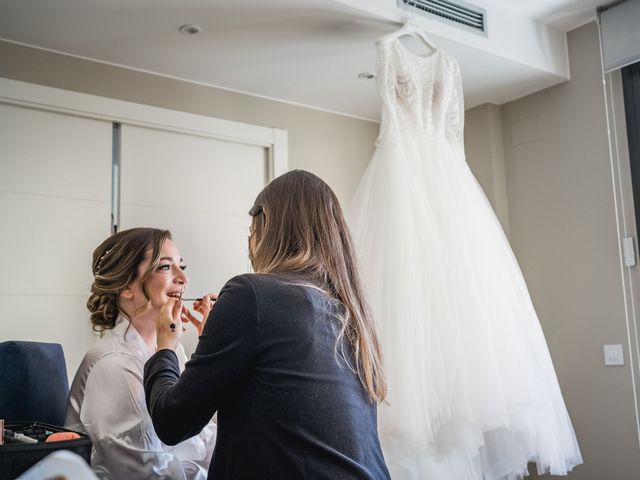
(472, 390)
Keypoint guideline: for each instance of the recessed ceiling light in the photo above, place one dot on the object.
(366, 75)
(190, 29)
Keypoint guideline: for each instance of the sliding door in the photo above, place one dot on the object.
(201, 189)
(55, 206)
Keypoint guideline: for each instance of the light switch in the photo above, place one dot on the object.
(613, 355)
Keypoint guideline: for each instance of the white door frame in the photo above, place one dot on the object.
(41, 97)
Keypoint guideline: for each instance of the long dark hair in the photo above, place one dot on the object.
(115, 265)
(299, 227)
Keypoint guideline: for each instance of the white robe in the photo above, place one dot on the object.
(107, 402)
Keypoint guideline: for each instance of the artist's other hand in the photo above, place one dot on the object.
(203, 307)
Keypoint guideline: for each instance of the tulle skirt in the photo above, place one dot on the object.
(472, 389)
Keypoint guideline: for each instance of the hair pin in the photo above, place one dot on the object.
(99, 264)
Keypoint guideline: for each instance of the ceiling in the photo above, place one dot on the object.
(306, 52)
(562, 14)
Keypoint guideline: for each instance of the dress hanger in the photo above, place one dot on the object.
(413, 30)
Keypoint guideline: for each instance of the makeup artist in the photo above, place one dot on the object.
(289, 356)
(135, 273)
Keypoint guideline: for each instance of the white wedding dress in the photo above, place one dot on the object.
(472, 390)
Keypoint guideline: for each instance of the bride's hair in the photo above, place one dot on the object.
(115, 265)
(299, 227)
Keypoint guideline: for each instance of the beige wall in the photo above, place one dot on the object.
(563, 231)
(335, 147)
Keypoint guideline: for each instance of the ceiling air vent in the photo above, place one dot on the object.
(459, 13)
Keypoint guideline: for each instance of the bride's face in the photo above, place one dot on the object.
(168, 280)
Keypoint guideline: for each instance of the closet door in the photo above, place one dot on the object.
(55, 190)
(199, 188)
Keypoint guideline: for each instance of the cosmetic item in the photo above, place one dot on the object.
(13, 437)
(62, 437)
(197, 299)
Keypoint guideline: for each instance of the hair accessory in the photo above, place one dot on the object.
(255, 210)
(99, 264)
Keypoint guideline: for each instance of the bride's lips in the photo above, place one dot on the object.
(177, 294)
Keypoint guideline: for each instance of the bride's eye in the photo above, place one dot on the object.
(163, 267)
(183, 267)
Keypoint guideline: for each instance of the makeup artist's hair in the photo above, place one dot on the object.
(115, 265)
(299, 227)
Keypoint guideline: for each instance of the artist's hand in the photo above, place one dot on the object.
(169, 324)
(203, 307)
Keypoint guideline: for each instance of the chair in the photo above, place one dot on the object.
(33, 382)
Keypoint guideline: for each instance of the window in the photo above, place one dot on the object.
(631, 88)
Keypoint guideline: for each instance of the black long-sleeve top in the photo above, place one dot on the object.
(289, 405)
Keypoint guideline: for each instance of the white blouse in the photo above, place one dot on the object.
(107, 402)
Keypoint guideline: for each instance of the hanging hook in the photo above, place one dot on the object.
(412, 12)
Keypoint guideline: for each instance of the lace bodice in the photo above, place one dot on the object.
(420, 94)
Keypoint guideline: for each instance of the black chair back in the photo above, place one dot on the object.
(33, 382)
